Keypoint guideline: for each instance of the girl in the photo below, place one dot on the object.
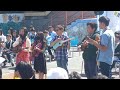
(25, 44)
(38, 54)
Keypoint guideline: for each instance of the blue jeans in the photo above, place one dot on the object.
(63, 64)
(9, 57)
(105, 69)
(90, 68)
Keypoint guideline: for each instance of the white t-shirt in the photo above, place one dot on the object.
(3, 38)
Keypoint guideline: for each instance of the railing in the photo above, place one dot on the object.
(52, 18)
(72, 18)
(64, 18)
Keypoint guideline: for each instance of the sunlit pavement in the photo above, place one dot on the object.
(74, 64)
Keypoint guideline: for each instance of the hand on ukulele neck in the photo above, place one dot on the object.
(59, 39)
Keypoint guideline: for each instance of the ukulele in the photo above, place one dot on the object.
(60, 43)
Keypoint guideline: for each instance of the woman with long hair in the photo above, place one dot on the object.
(38, 49)
(24, 42)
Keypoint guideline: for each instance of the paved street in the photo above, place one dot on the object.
(74, 64)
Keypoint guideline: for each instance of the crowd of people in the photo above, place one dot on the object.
(28, 48)
(99, 51)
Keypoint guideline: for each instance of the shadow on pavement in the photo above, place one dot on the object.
(51, 60)
(12, 68)
(83, 75)
(6, 66)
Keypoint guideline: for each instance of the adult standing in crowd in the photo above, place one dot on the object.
(61, 53)
(52, 33)
(117, 49)
(24, 42)
(38, 49)
(106, 47)
(48, 39)
(90, 51)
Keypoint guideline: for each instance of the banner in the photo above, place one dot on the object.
(78, 30)
(15, 17)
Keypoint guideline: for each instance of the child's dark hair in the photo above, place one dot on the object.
(25, 70)
(92, 25)
(74, 75)
(40, 36)
(104, 20)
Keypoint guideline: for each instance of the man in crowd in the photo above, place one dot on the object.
(61, 53)
(106, 47)
(52, 33)
(48, 39)
(90, 63)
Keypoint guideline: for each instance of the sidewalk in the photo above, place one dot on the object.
(8, 76)
(74, 64)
